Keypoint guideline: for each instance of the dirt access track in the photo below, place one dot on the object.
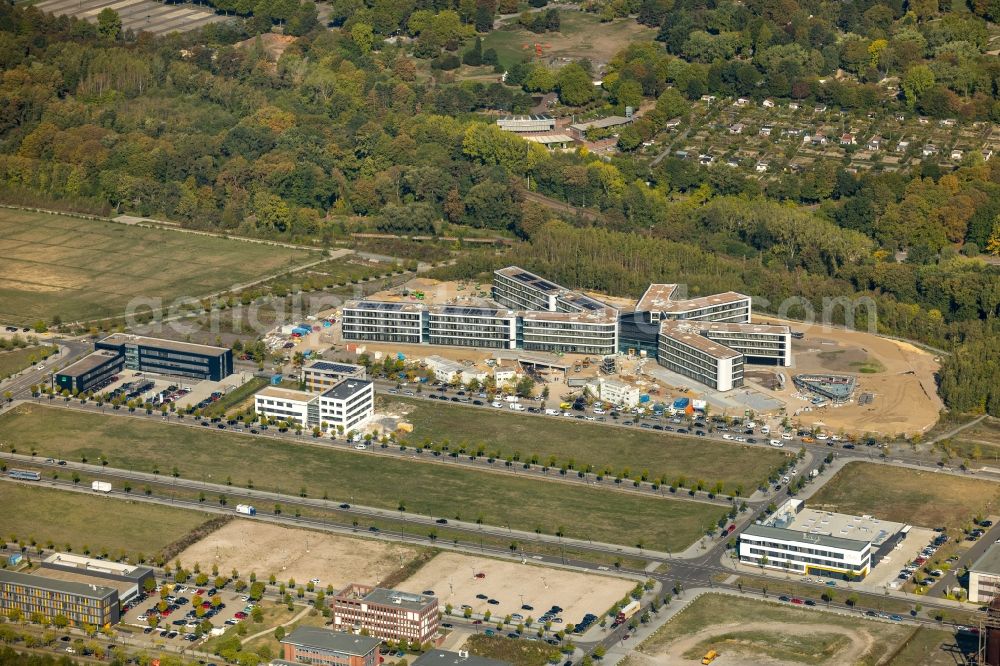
(287, 553)
(453, 578)
(906, 399)
(734, 652)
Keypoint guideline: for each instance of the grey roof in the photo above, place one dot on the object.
(54, 585)
(988, 562)
(407, 600)
(447, 658)
(333, 641)
(768, 532)
(346, 388)
(92, 360)
(119, 339)
(330, 366)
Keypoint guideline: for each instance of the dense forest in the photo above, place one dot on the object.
(347, 131)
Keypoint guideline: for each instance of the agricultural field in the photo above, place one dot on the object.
(422, 487)
(917, 497)
(16, 360)
(105, 525)
(85, 269)
(581, 35)
(139, 15)
(750, 631)
(604, 448)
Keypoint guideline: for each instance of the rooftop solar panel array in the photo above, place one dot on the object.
(380, 305)
(333, 367)
(471, 312)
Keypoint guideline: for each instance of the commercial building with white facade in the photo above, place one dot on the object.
(382, 321)
(528, 123)
(984, 576)
(683, 349)
(349, 404)
(616, 392)
(516, 288)
(570, 332)
(661, 302)
(823, 543)
(471, 327)
(759, 343)
(321, 375)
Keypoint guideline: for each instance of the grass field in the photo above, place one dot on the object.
(603, 447)
(82, 269)
(19, 359)
(103, 524)
(917, 497)
(425, 488)
(581, 35)
(760, 630)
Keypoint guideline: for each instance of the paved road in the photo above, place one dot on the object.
(69, 351)
(950, 578)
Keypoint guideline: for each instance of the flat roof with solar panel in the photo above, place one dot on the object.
(530, 279)
(331, 366)
(459, 311)
(383, 306)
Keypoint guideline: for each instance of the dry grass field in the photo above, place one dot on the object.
(917, 497)
(299, 554)
(84, 269)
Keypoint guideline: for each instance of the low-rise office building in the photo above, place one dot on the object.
(760, 344)
(348, 405)
(170, 357)
(984, 576)
(571, 332)
(662, 302)
(323, 647)
(616, 392)
(472, 327)
(382, 321)
(286, 405)
(92, 371)
(684, 350)
(811, 542)
(320, 376)
(81, 589)
(386, 614)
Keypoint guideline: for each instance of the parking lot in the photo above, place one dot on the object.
(179, 622)
(886, 572)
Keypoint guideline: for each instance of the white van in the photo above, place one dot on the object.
(765, 430)
(516, 407)
(777, 442)
(552, 412)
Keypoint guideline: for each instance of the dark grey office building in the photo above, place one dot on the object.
(170, 357)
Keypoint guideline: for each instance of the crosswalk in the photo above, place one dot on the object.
(138, 15)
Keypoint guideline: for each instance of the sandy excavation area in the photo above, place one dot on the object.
(905, 394)
(453, 579)
(295, 553)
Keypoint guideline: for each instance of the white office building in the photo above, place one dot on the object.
(811, 542)
(661, 302)
(571, 332)
(682, 348)
(528, 123)
(984, 576)
(382, 321)
(616, 392)
(516, 288)
(321, 375)
(472, 327)
(349, 404)
(448, 371)
(284, 404)
(759, 343)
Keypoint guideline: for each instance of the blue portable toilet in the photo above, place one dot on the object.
(275, 380)
(14, 558)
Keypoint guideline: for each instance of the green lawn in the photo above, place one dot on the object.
(606, 448)
(19, 359)
(83, 269)
(762, 630)
(924, 498)
(515, 652)
(581, 35)
(104, 524)
(425, 488)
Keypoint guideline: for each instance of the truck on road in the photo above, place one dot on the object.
(246, 509)
(627, 611)
(100, 486)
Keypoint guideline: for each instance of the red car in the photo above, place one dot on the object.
(477, 622)
(480, 575)
(796, 600)
(920, 560)
(206, 604)
(240, 616)
(201, 593)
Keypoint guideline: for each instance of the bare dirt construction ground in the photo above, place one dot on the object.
(900, 376)
(746, 631)
(452, 578)
(300, 554)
